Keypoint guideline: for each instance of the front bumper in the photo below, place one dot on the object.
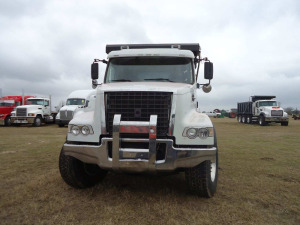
(64, 122)
(276, 119)
(138, 159)
(22, 120)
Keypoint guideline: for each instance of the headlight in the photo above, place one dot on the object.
(75, 130)
(31, 114)
(13, 114)
(201, 132)
(191, 133)
(85, 130)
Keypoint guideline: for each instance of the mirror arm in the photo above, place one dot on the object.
(100, 60)
(198, 85)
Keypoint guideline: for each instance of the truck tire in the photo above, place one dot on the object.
(284, 123)
(37, 121)
(261, 120)
(202, 179)
(7, 121)
(78, 174)
(61, 124)
(239, 119)
(244, 119)
(249, 119)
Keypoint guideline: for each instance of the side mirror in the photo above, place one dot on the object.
(206, 88)
(208, 70)
(95, 71)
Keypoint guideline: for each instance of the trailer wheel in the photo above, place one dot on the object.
(249, 119)
(7, 121)
(239, 119)
(244, 119)
(78, 174)
(37, 121)
(261, 120)
(202, 179)
(284, 123)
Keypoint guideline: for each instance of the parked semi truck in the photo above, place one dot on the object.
(261, 110)
(8, 104)
(144, 119)
(35, 112)
(76, 101)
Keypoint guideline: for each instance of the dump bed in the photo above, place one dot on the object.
(244, 108)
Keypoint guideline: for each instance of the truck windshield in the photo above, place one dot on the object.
(268, 103)
(35, 102)
(141, 69)
(75, 101)
(6, 103)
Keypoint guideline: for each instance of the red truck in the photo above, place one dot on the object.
(7, 105)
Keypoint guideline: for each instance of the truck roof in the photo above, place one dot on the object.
(261, 97)
(151, 52)
(193, 47)
(38, 98)
(15, 97)
(81, 94)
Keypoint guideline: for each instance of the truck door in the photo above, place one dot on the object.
(46, 107)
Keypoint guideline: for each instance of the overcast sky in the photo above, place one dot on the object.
(46, 47)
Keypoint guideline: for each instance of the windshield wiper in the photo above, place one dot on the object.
(159, 79)
(122, 80)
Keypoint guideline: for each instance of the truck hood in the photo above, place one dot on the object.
(31, 107)
(269, 108)
(6, 110)
(176, 88)
(70, 107)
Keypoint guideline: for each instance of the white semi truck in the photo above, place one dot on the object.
(145, 119)
(35, 112)
(76, 101)
(261, 109)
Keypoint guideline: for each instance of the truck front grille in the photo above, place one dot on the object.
(139, 106)
(66, 115)
(276, 113)
(21, 112)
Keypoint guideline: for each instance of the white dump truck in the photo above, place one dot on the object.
(35, 112)
(261, 109)
(76, 101)
(145, 119)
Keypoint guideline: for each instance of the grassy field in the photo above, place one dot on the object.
(259, 182)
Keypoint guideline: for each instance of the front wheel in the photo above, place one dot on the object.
(37, 121)
(7, 121)
(202, 179)
(261, 120)
(249, 119)
(79, 174)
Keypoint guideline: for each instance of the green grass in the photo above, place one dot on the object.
(259, 182)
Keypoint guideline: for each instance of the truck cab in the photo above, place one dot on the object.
(76, 101)
(7, 105)
(145, 119)
(35, 112)
(270, 111)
